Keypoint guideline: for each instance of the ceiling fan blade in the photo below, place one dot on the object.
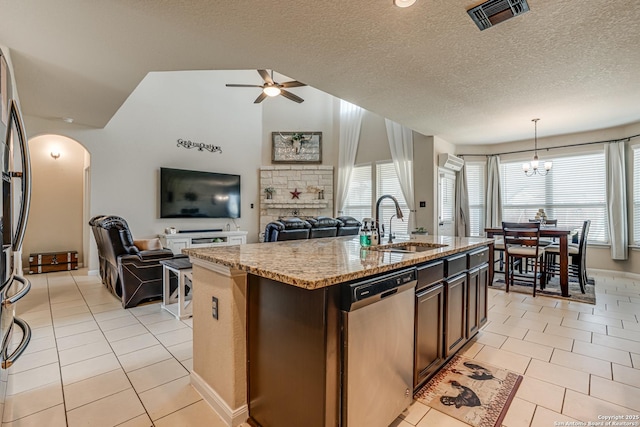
(235, 85)
(293, 83)
(265, 76)
(260, 98)
(291, 96)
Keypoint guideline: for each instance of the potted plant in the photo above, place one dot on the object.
(269, 192)
(420, 230)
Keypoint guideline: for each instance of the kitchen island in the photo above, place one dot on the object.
(267, 320)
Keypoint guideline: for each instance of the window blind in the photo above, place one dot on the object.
(636, 195)
(387, 182)
(358, 203)
(573, 191)
(476, 183)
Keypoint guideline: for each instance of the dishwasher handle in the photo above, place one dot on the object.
(359, 294)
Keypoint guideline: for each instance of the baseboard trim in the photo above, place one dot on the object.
(93, 272)
(614, 273)
(231, 417)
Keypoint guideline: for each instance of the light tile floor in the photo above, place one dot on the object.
(90, 362)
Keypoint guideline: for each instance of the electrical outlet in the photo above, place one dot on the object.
(214, 307)
(423, 204)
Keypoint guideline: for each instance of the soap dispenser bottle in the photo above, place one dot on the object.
(374, 235)
(365, 235)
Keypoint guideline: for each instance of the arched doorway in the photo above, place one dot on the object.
(59, 198)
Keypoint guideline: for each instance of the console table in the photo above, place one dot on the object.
(177, 242)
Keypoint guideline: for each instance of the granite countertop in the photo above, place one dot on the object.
(317, 263)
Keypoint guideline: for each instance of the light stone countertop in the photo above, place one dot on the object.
(317, 263)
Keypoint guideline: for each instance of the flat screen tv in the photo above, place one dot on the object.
(195, 194)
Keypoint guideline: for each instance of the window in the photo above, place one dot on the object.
(358, 204)
(387, 182)
(475, 173)
(636, 195)
(573, 191)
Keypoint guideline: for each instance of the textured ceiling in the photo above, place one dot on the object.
(573, 64)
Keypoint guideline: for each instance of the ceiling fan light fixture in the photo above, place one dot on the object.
(404, 3)
(271, 90)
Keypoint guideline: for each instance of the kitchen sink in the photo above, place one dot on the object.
(409, 247)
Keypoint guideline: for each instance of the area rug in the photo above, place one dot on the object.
(551, 290)
(473, 392)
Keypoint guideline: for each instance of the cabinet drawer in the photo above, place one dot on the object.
(455, 265)
(478, 257)
(429, 274)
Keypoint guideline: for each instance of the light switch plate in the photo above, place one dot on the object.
(214, 307)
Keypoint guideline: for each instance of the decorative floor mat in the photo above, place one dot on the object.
(473, 392)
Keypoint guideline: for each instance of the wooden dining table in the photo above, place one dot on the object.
(562, 234)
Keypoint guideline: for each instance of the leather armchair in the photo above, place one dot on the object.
(132, 274)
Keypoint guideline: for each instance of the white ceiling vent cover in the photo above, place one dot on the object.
(493, 12)
(449, 161)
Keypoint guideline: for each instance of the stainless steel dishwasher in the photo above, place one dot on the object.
(377, 364)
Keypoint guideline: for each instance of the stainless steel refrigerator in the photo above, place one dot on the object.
(16, 190)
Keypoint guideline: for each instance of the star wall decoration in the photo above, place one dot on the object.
(295, 194)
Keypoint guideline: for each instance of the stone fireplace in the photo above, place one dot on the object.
(314, 183)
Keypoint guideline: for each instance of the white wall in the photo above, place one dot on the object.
(195, 105)
(56, 197)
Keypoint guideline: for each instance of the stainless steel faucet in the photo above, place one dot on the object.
(399, 215)
(390, 233)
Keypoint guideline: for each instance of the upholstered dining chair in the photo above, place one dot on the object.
(578, 254)
(522, 241)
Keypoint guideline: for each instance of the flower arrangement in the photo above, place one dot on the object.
(269, 192)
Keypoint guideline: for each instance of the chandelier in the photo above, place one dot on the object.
(533, 167)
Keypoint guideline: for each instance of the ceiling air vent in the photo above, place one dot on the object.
(493, 12)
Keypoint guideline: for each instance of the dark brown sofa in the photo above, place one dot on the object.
(311, 228)
(132, 274)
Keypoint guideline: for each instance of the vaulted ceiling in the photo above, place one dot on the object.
(573, 64)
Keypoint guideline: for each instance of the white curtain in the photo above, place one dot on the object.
(617, 199)
(401, 145)
(462, 204)
(493, 205)
(350, 123)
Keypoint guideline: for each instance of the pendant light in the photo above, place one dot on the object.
(533, 167)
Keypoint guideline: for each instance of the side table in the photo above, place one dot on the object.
(177, 302)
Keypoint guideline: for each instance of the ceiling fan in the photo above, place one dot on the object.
(273, 88)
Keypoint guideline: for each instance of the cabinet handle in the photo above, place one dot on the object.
(26, 286)
(16, 121)
(8, 360)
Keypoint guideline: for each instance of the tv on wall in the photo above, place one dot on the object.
(195, 194)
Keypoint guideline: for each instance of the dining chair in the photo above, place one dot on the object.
(578, 254)
(522, 241)
(550, 223)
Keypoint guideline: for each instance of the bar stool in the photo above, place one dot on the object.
(578, 254)
(521, 241)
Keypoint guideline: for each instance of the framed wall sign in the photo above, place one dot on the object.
(296, 147)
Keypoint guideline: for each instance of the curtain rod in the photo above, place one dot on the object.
(628, 138)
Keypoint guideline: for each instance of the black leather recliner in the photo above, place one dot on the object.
(132, 274)
(311, 228)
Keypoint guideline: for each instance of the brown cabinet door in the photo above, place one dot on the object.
(455, 324)
(429, 333)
